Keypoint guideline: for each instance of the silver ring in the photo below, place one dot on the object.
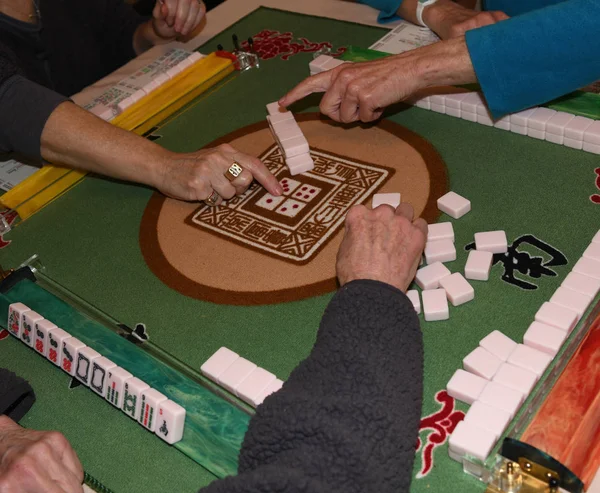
(212, 198)
(234, 171)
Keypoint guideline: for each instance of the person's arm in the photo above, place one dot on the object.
(347, 419)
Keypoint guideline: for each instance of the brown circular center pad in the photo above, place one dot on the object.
(258, 249)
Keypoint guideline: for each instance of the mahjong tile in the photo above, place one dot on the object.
(290, 208)
(306, 192)
(269, 202)
(289, 185)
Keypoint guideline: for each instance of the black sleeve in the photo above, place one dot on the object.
(347, 419)
(16, 395)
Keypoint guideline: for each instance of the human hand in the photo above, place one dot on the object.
(194, 176)
(450, 20)
(37, 461)
(382, 244)
(171, 18)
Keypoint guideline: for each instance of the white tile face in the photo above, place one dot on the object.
(132, 396)
(516, 378)
(150, 399)
(218, 363)
(588, 267)
(438, 99)
(253, 386)
(194, 57)
(15, 318)
(438, 108)
(576, 128)
(270, 202)
(458, 290)
(582, 284)
(478, 265)
(435, 305)
(466, 115)
(302, 166)
(333, 63)
(440, 251)
(99, 375)
(455, 112)
(290, 208)
(440, 231)
(317, 64)
(499, 344)
(454, 205)
(592, 251)
(482, 110)
(530, 359)
(280, 117)
(501, 397)
(299, 161)
(488, 418)
(236, 374)
(28, 321)
(555, 139)
(539, 118)
(40, 336)
(274, 108)
(139, 94)
(115, 385)
(536, 134)
(306, 193)
(289, 185)
(518, 129)
(592, 133)
(454, 100)
(124, 104)
(482, 363)
(491, 241)
(593, 148)
(469, 439)
(423, 103)
(392, 199)
(83, 364)
(485, 120)
(557, 316)
(470, 102)
(503, 123)
(556, 125)
(170, 422)
(56, 337)
(413, 296)
(70, 354)
(572, 300)
(287, 131)
(295, 147)
(465, 386)
(429, 277)
(275, 386)
(544, 338)
(161, 79)
(521, 118)
(573, 143)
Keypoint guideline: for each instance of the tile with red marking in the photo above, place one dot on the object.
(290, 208)
(306, 193)
(269, 201)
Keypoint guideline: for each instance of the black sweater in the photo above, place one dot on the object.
(75, 43)
(347, 418)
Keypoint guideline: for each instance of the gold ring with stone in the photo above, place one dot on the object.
(234, 171)
(212, 198)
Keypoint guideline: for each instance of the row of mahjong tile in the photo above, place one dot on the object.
(500, 374)
(290, 139)
(240, 376)
(557, 127)
(135, 398)
(114, 110)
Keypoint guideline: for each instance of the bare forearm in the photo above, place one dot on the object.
(78, 139)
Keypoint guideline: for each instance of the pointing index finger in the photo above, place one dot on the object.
(260, 173)
(316, 83)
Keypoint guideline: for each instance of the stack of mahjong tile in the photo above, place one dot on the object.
(290, 139)
(135, 398)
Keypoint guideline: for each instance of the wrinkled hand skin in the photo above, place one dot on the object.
(382, 245)
(37, 461)
(171, 18)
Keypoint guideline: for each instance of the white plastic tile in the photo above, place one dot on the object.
(536, 134)
(588, 267)
(572, 300)
(454, 205)
(286, 131)
(440, 251)
(557, 316)
(544, 338)
(124, 104)
(438, 99)
(502, 397)
(555, 139)
(582, 284)
(236, 374)
(592, 251)
(576, 128)
(572, 143)
(40, 336)
(488, 418)
(455, 112)
(28, 321)
(83, 364)
(175, 70)
(454, 100)
(137, 95)
(539, 118)
(300, 164)
(413, 296)
(516, 378)
(491, 241)
(115, 385)
(438, 108)
(332, 63)
(15, 318)
(132, 396)
(160, 79)
(150, 400)
(194, 57)
(392, 199)
(503, 123)
(470, 102)
(275, 386)
(458, 290)
(318, 63)
(56, 337)
(465, 386)
(440, 231)
(254, 385)
(556, 125)
(424, 103)
(469, 439)
(170, 422)
(596, 238)
(429, 277)
(280, 117)
(499, 344)
(482, 110)
(481, 362)
(435, 305)
(70, 351)
(478, 265)
(518, 129)
(593, 148)
(99, 375)
(218, 363)
(295, 146)
(485, 120)
(467, 115)
(522, 117)
(274, 108)
(530, 359)
(592, 133)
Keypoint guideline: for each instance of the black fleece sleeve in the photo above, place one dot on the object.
(16, 395)
(347, 418)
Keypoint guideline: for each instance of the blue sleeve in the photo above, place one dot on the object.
(387, 9)
(538, 56)
(516, 7)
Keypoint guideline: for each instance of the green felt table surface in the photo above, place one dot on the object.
(88, 240)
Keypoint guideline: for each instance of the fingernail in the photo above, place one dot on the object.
(279, 189)
(281, 101)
